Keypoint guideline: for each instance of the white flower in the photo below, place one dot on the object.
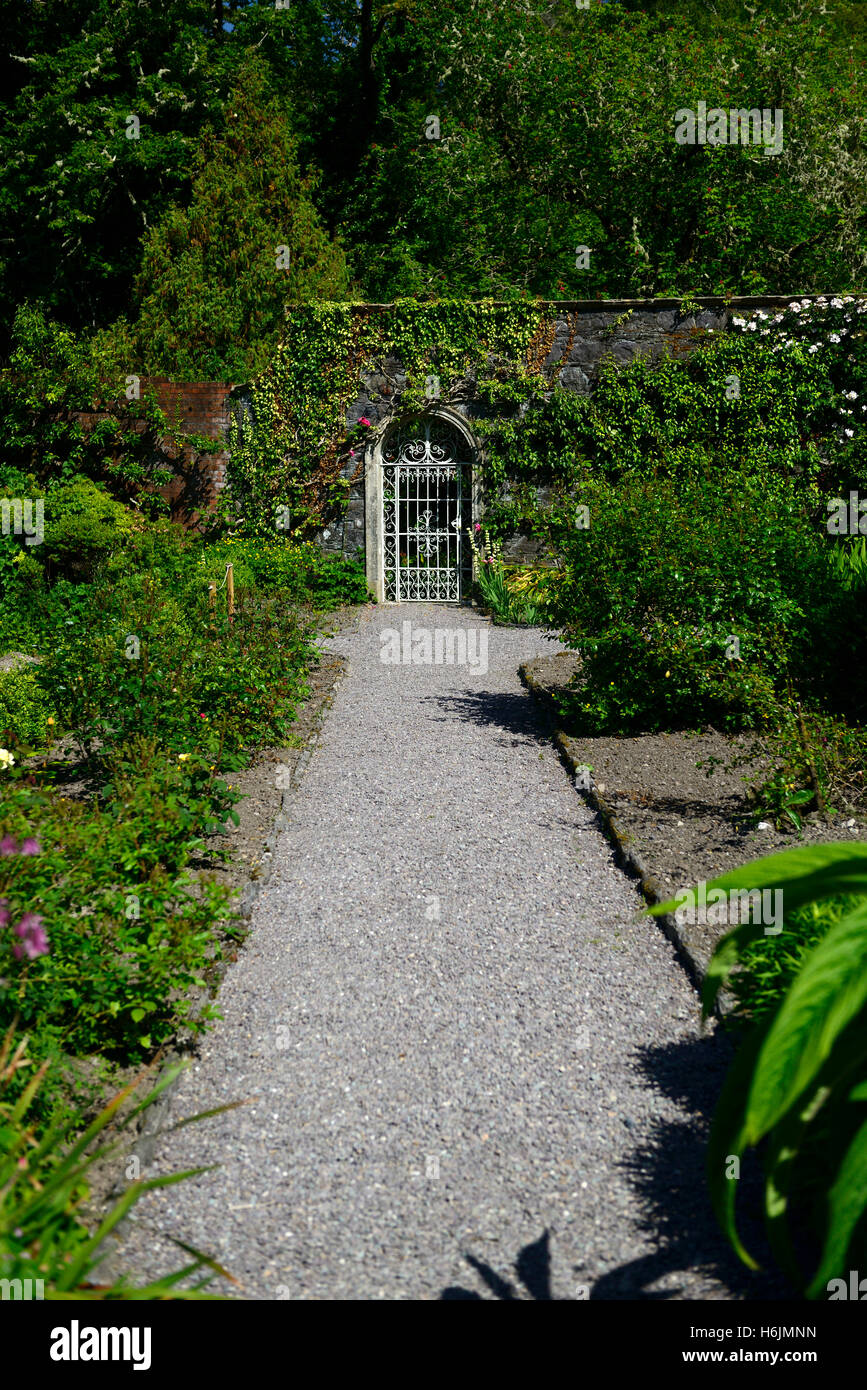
(740, 322)
(6, 759)
(814, 348)
(836, 304)
(851, 395)
(848, 299)
(821, 302)
(752, 326)
(834, 338)
(848, 433)
(764, 333)
(796, 306)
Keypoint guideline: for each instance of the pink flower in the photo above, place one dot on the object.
(478, 526)
(33, 937)
(9, 846)
(363, 420)
(4, 913)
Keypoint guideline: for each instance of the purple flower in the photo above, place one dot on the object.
(8, 845)
(30, 846)
(4, 913)
(33, 937)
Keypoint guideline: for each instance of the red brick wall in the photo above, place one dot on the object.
(200, 407)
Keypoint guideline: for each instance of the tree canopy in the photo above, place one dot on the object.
(463, 148)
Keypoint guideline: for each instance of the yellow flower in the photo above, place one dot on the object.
(49, 720)
(182, 757)
(668, 673)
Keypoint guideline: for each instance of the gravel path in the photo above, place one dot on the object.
(470, 1054)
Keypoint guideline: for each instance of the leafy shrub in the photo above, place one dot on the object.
(687, 599)
(169, 801)
(83, 524)
(120, 936)
(798, 1085)
(66, 414)
(299, 568)
(25, 710)
(151, 662)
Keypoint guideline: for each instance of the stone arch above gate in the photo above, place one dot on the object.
(420, 500)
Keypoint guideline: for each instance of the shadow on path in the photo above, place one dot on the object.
(668, 1175)
(513, 712)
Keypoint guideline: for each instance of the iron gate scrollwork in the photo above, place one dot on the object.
(426, 508)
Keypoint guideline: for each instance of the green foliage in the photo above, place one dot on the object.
(780, 398)
(685, 598)
(557, 130)
(166, 701)
(66, 414)
(83, 525)
(834, 748)
(43, 1185)
(850, 562)
(128, 934)
(797, 1087)
(213, 285)
(295, 449)
(768, 965)
(301, 570)
(145, 659)
(506, 604)
(24, 711)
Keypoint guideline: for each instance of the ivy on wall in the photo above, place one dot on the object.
(292, 448)
(774, 397)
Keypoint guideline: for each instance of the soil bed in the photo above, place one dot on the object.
(674, 824)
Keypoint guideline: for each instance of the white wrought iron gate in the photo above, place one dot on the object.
(426, 508)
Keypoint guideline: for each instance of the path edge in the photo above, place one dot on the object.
(692, 957)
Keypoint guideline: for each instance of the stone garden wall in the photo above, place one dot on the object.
(581, 333)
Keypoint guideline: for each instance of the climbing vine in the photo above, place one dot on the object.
(292, 450)
(772, 397)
